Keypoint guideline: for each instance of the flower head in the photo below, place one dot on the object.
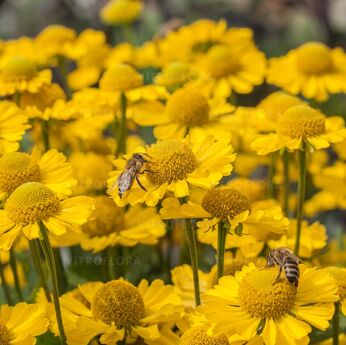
(312, 69)
(33, 203)
(199, 336)
(121, 12)
(117, 309)
(253, 303)
(173, 166)
(20, 74)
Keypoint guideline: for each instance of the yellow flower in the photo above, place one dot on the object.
(111, 225)
(233, 67)
(91, 171)
(121, 77)
(51, 169)
(312, 69)
(21, 324)
(13, 124)
(121, 12)
(313, 238)
(83, 77)
(335, 253)
(339, 275)
(261, 221)
(20, 74)
(330, 181)
(53, 40)
(45, 103)
(301, 123)
(174, 166)
(251, 304)
(33, 203)
(199, 336)
(118, 309)
(188, 110)
(174, 75)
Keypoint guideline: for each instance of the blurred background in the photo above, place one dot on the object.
(278, 24)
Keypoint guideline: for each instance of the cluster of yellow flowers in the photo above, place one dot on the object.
(108, 148)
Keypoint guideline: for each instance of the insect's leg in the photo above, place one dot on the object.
(278, 277)
(140, 184)
(144, 171)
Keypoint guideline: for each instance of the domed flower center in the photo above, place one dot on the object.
(261, 297)
(198, 336)
(172, 161)
(31, 202)
(44, 99)
(221, 61)
(120, 302)
(108, 218)
(5, 336)
(301, 121)
(17, 168)
(121, 77)
(225, 202)
(19, 68)
(314, 58)
(254, 190)
(339, 274)
(174, 74)
(188, 107)
(277, 103)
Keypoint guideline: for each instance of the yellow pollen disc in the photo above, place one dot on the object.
(118, 302)
(277, 103)
(221, 61)
(314, 58)
(19, 68)
(198, 336)
(121, 77)
(188, 107)
(5, 336)
(31, 202)
(17, 168)
(254, 190)
(301, 121)
(261, 298)
(174, 74)
(225, 202)
(44, 99)
(171, 161)
(339, 274)
(107, 218)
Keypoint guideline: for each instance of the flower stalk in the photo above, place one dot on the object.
(122, 130)
(336, 324)
(5, 288)
(221, 243)
(49, 256)
(13, 264)
(192, 243)
(286, 182)
(302, 161)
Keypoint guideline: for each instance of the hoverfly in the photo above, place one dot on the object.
(286, 261)
(132, 169)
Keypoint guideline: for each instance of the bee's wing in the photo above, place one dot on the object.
(289, 254)
(125, 180)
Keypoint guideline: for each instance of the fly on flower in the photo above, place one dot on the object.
(286, 261)
(132, 169)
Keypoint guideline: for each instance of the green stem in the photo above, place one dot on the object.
(302, 160)
(192, 243)
(45, 134)
(336, 324)
(4, 285)
(122, 131)
(62, 279)
(36, 258)
(63, 75)
(271, 174)
(13, 263)
(113, 270)
(286, 181)
(221, 243)
(48, 253)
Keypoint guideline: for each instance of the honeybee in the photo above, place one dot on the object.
(287, 261)
(132, 169)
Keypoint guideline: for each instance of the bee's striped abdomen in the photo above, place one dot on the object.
(291, 269)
